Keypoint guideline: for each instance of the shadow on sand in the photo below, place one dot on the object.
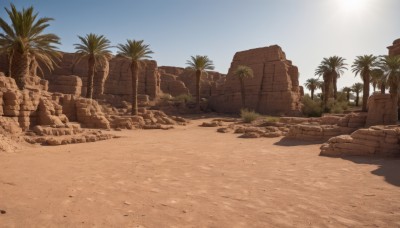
(388, 168)
(285, 141)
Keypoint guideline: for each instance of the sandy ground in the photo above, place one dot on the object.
(195, 177)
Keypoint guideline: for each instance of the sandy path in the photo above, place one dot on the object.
(195, 177)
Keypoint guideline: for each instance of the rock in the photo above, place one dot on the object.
(251, 135)
(210, 124)
(274, 89)
(382, 109)
(223, 130)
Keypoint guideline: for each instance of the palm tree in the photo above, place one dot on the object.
(199, 64)
(312, 84)
(24, 41)
(243, 72)
(95, 49)
(391, 68)
(347, 90)
(357, 88)
(330, 69)
(376, 78)
(363, 65)
(135, 51)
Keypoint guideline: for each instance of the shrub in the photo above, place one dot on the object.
(311, 108)
(272, 119)
(337, 106)
(248, 116)
(184, 98)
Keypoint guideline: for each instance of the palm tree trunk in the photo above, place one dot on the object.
(334, 78)
(10, 57)
(135, 77)
(348, 96)
(20, 68)
(89, 88)
(243, 92)
(312, 94)
(357, 98)
(198, 76)
(327, 85)
(383, 88)
(374, 86)
(365, 91)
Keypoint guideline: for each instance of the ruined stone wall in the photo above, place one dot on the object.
(274, 89)
(382, 109)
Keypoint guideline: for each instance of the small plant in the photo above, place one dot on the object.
(184, 98)
(311, 108)
(248, 116)
(272, 119)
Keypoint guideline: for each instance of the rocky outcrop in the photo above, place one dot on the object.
(323, 128)
(177, 81)
(382, 110)
(274, 89)
(113, 78)
(395, 48)
(70, 84)
(374, 141)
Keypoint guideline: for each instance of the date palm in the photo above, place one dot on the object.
(330, 69)
(135, 51)
(378, 79)
(243, 72)
(95, 49)
(357, 88)
(391, 69)
(24, 42)
(363, 65)
(312, 84)
(347, 90)
(199, 64)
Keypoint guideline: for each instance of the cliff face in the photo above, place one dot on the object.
(114, 78)
(274, 89)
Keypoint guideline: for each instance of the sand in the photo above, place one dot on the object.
(194, 177)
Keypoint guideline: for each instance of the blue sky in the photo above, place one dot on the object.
(307, 30)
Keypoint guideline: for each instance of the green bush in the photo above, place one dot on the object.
(184, 98)
(337, 106)
(272, 119)
(248, 116)
(311, 108)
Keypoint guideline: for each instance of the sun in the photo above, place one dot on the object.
(353, 5)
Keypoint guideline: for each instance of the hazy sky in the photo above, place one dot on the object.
(307, 30)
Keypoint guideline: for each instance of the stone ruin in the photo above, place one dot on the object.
(394, 49)
(273, 90)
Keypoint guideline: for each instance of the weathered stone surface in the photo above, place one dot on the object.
(382, 109)
(274, 89)
(395, 48)
(374, 141)
(70, 84)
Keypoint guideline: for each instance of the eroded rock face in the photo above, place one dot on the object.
(113, 78)
(374, 141)
(274, 89)
(382, 110)
(395, 48)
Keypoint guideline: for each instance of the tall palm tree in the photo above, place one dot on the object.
(347, 90)
(23, 40)
(357, 88)
(330, 69)
(312, 84)
(135, 51)
(243, 72)
(391, 68)
(199, 64)
(95, 49)
(376, 78)
(363, 65)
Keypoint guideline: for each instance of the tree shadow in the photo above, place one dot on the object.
(388, 168)
(285, 141)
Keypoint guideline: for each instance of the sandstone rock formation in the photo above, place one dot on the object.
(382, 110)
(112, 79)
(374, 141)
(274, 89)
(395, 48)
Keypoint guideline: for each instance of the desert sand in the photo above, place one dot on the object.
(195, 177)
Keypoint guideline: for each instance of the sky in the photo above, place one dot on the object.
(307, 30)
